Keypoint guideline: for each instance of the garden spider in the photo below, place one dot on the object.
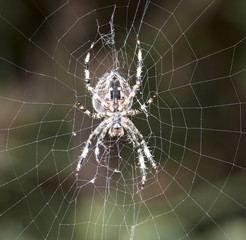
(112, 100)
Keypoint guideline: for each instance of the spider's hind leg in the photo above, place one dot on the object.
(138, 77)
(88, 81)
(87, 72)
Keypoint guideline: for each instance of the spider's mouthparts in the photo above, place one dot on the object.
(116, 130)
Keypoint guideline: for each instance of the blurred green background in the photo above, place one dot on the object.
(194, 58)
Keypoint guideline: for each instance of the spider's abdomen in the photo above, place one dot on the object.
(115, 89)
(111, 86)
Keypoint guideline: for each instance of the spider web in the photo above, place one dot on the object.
(193, 58)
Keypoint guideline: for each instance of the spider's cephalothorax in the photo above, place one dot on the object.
(112, 99)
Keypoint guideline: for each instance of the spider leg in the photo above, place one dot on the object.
(87, 112)
(140, 153)
(99, 142)
(142, 166)
(88, 81)
(131, 128)
(140, 143)
(87, 72)
(148, 154)
(95, 133)
(139, 68)
(138, 80)
(141, 109)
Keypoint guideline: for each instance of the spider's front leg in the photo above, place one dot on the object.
(138, 137)
(93, 135)
(99, 142)
(148, 154)
(136, 144)
(142, 167)
(138, 140)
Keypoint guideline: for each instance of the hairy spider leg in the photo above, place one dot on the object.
(99, 142)
(138, 80)
(140, 156)
(133, 128)
(138, 140)
(142, 166)
(141, 109)
(95, 133)
(103, 103)
(88, 113)
(148, 154)
(87, 72)
(139, 151)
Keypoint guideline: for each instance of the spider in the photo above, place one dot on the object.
(112, 100)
